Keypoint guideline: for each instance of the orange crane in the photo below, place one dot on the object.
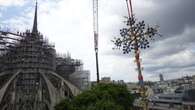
(137, 54)
(138, 62)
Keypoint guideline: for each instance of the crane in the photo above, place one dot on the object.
(137, 52)
(95, 30)
(135, 30)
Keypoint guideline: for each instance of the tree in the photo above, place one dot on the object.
(100, 97)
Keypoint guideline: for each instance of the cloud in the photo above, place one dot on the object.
(12, 2)
(172, 16)
(173, 44)
(172, 55)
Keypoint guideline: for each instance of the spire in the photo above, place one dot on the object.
(35, 30)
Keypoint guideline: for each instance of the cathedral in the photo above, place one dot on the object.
(32, 75)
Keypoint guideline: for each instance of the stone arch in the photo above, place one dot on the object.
(55, 95)
(75, 91)
(5, 87)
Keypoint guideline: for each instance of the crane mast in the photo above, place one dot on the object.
(95, 30)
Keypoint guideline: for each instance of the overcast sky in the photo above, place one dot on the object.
(69, 25)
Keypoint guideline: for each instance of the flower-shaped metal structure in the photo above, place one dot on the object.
(135, 36)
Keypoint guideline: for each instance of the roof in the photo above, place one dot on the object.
(166, 98)
(189, 95)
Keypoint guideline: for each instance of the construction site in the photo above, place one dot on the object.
(32, 75)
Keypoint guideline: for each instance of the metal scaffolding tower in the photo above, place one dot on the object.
(32, 75)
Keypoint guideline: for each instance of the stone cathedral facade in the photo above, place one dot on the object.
(32, 75)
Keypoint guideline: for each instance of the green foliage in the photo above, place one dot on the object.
(100, 97)
(64, 105)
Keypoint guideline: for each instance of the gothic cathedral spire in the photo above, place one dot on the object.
(35, 30)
